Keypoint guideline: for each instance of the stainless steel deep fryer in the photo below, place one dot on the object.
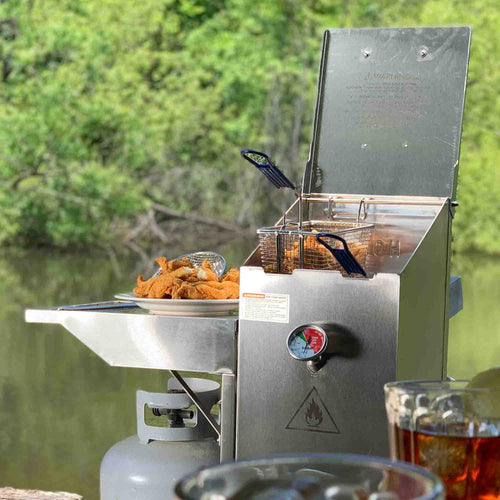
(304, 362)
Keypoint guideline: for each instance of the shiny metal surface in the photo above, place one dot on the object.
(393, 325)
(389, 111)
(227, 417)
(141, 340)
(399, 224)
(275, 392)
(423, 306)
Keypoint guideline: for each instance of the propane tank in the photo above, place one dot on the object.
(147, 466)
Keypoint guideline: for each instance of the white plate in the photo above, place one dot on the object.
(183, 307)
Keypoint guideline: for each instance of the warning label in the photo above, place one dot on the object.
(313, 416)
(272, 307)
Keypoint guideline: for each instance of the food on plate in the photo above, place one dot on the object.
(207, 290)
(232, 275)
(179, 279)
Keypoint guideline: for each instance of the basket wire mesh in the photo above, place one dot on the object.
(280, 247)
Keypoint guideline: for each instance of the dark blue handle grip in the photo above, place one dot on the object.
(256, 158)
(267, 167)
(335, 237)
(343, 256)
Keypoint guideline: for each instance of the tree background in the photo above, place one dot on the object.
(119, 116)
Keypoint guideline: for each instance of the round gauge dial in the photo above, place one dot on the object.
(307, 342)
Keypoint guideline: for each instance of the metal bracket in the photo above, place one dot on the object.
(331, 208)
(197, 402)
(451, 208)
(361, 210)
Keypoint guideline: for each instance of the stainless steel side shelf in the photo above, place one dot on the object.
(205, 344)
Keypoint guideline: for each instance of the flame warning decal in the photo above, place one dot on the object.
(313, 416)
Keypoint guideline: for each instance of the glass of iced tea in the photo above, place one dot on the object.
(450, 429)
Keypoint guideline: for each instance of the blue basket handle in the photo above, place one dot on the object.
(344, 256)
(250, 155)
(335, 237)
(267, 167)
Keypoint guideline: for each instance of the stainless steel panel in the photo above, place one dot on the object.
(150, 341)
(389, 111)
(424, 314)
(399, 223)
(274, 390)
(228, 417)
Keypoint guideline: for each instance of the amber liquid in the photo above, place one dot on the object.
(468, 466)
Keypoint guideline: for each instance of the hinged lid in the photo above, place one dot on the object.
(389, 112)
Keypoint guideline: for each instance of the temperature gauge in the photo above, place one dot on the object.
(307, 342)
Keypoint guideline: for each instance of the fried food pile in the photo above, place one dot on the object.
(179, 279)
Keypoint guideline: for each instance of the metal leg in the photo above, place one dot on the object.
(227, 417)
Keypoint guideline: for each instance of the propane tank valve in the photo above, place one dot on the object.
(175, 416)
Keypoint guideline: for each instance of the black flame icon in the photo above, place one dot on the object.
(313, 414)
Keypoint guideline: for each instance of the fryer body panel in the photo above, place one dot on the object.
(424, 305)
(275, 391)
(395, 323)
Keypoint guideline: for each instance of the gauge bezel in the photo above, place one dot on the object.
(302, 328)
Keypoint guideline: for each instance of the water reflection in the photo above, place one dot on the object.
(474, 336)
(62, 407)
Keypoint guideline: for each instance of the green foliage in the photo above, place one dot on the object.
(477, 223)
(108, 106)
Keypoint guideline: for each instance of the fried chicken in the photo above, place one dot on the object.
(232, 275)
(207, 290)
(206, 273)
(161, 286)
(179, 279)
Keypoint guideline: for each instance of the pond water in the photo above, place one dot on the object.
(62, 407)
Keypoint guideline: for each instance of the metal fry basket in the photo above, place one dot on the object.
(288, 247)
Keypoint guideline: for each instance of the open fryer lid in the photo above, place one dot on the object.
(389, 112)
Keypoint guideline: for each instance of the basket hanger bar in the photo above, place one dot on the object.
(371, 200)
